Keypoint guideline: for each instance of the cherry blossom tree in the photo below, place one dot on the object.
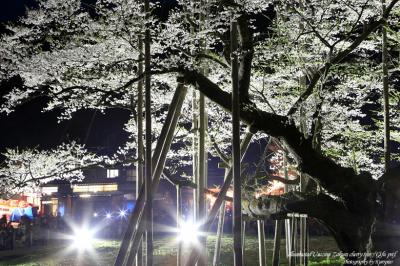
(25, 170)
(308, 76)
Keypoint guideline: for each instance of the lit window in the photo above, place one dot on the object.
(49, 190)
(94, 188)
(112, 173)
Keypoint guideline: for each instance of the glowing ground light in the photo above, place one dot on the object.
(188, 233)
(82, 239)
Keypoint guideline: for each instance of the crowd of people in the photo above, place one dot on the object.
(28, 231)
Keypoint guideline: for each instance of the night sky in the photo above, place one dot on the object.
(29, 127)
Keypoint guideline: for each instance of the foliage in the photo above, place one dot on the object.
(84, 57)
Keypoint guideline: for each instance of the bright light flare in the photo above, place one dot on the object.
(108, 216)
(82, 239)
(188, 232)
(122, 213)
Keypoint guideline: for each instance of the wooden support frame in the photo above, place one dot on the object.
(193, 257)
(237, 184)
(202, 149)
(202, 177)
(243, 238)
(163, 155)
(277, 243)
(140, 148)
(220, 231)
(178, 222)
(131, 236)
(262, 256)
(148, 163)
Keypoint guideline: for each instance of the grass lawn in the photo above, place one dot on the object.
(104, 252)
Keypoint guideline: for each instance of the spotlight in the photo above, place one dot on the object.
(82, 239)
(95, 214)
(188, 232)
(108, 216)
(122, 213)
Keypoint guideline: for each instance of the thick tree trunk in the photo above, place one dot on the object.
(376, 231)
(352, 212)
(386, 231)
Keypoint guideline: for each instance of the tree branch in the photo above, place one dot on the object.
(336, 179)
(371, 27)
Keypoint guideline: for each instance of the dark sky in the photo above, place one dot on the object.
(29, 127)
(11, 9)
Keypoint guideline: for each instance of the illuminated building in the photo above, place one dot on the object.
(102, 191)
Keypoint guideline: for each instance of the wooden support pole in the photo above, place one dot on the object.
(202, 182)
(148, 140)
(303, 232)
(178, 223)
(237, 184)
(292, 235)
(301, 240)
(140, 148)
(287, 238)
(160, 166)
(137, 238)
(202, 166)
(195, 160)
(288, 222)
(193, 257)
(277, 243)
(220, 232)
(307, 243)
(164, 141)
(164, 151)
(243, 239)
(261, 243)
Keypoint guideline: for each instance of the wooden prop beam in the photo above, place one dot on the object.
(193, 257)
(220, 232)
(237, 183)
(163, 145)
(277, 243)
(261, 243)
(140, 148)
(161, 163)
(148, 140)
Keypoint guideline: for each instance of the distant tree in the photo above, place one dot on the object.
(25, 170)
